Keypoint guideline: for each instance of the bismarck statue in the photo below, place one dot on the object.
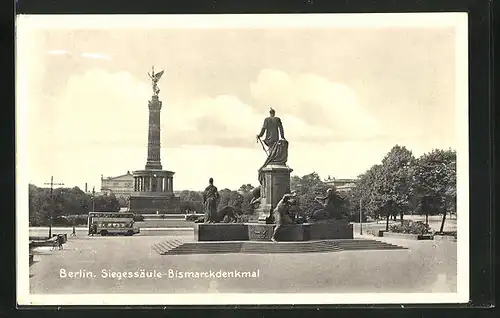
(273, 128)
(277, 145)
(274, 174)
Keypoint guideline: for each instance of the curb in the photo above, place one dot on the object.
(166, 229)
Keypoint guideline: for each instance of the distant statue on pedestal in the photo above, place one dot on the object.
(210, 201)
(155, 78)
(277, 145)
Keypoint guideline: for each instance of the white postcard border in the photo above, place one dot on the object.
(28, 23)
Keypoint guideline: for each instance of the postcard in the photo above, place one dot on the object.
(242, 159)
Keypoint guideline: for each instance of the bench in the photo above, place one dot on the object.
(55, 241)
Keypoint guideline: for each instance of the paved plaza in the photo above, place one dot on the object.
(426, 266)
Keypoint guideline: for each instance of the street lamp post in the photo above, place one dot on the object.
(93, 199)
(52, 184)
(360, 219)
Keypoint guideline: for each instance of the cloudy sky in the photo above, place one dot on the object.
(346, 95)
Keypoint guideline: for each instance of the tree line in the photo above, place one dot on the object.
(400, 184)
(66, 202)
(192, 201)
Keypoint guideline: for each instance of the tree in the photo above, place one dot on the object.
(246, 208)
(397, 179)
(230, 198)
(386, 188)
(123, 201)
(71, 201)
(450, 193)
(381, 199)
(308, 187)
(191, 201)
(39, 205)
(246, 188)
(106, 203)
(371, 191)
(435, 182)
(62, 202)
(427, 205)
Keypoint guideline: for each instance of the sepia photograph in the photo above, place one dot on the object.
(242, 159)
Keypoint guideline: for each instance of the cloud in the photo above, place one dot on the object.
(222, 120)
(58, 52)
(111, 108)
(97, 56)
(330, 107)
(102, 107)
(226, 121)
(312, 109)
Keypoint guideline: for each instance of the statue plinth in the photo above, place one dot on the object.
(327, 230)
(276, 183)
(154, 192)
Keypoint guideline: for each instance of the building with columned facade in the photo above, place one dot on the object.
(120, 186)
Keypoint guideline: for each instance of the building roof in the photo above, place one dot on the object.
(329, 179)
(117, 177)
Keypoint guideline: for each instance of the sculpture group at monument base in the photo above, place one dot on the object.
(327, 230)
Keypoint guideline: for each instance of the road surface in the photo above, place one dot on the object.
(426, 266)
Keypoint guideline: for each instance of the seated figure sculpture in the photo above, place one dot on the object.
(328, 211)
(255, 201)
(282, 216)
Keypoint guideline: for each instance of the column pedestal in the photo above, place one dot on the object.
(153, 194)
(276, 184)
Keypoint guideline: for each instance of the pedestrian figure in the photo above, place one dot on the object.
(93, 229)
(74, 229)
(60, 242)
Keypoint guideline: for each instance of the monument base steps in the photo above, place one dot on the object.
(176, 247)
(166, 246)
